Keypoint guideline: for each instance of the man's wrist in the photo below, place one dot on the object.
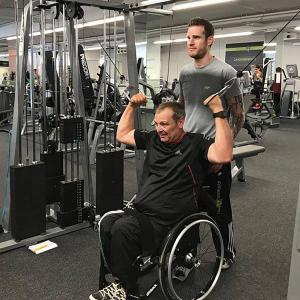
(132, 104)
(220, 114)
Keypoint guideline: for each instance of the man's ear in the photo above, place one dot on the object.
(180, 123)
(210, 40)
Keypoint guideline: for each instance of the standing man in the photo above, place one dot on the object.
(204, 76)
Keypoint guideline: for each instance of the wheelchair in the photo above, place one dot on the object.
(189, 262)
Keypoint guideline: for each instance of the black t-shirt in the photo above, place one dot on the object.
(172, 176)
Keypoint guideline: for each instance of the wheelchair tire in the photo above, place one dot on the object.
(204, 254)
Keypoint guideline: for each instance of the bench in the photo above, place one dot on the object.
(239, 153)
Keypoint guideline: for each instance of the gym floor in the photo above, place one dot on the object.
(264, 213)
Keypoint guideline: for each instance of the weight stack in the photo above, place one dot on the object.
(109, 181)
(69, 218)
(71, 195)
(28, 202)
(54, 174)
(71, 129)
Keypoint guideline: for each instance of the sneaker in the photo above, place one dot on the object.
(120, 294)
(227, 263)
(181, 273)
(111, 292)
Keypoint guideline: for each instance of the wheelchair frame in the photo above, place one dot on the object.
(168, 255)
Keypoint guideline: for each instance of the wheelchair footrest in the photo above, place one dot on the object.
(144, 264)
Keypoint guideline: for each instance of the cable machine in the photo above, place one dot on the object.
(63, 165)
(289, 104)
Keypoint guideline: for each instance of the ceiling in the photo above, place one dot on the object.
(256, 13)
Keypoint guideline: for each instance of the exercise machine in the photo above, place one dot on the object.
(289, 107)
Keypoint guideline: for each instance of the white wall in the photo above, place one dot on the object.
(92, 58)
(3, 70)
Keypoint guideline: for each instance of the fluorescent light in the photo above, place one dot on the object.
(180, 40)
(92, 48)
(87, 24)
(137, 44)
(11, 38)
(270, 52)
(198, 4)
(3, 55)
(163, 42)
(270, 44)
(158, 11)
(225, 35)
(297, 28)
(100, 22)
(217, 36)
(151, 2)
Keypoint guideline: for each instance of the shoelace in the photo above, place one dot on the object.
(110, 290)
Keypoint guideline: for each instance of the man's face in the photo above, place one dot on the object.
(167, 128)
(197, 44)
(256, 70)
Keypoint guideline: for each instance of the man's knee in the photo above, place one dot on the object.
(107, 223)
(125, 227)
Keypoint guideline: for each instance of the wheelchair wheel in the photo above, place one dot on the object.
(191, 259)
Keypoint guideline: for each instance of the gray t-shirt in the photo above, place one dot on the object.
(196, 84)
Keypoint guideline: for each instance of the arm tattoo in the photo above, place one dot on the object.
(237, 114)
(181, 100)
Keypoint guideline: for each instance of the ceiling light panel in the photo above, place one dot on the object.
(199, 4)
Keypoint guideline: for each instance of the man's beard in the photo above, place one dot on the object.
(200, 54)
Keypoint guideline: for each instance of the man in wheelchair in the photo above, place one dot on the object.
(175, 166)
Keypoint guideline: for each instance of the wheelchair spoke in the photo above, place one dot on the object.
(193, 260)
(206, 234)
(203, 252)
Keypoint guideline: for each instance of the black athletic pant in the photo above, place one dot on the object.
(121, 242)
(220, 210)
(276, 100)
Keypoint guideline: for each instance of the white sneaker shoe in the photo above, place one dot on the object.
(227, 263)
(114, 291)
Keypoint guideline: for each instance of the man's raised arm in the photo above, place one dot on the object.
(125, 132)
(221, 150)
(237, 114)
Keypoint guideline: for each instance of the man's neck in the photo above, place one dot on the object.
(204, 61)
(179, 138)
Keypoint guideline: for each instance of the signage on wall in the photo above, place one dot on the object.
(240, 54)
(4, 64)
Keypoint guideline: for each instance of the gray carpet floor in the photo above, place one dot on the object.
(264, 213)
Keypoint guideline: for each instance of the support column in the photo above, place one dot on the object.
(79, 100)
(133, 84)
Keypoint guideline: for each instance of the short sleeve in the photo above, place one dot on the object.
(234, 90)
(141, 139)
(205, 144)
(180, 86)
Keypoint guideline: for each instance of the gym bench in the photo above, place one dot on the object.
(239, 153)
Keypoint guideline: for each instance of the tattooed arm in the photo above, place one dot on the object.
(237, 114)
